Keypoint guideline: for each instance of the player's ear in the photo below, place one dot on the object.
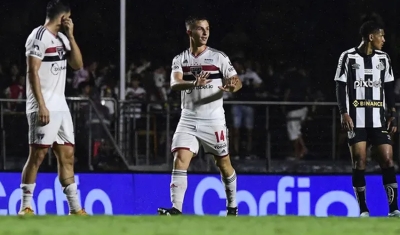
(371, 37)
(189, 32)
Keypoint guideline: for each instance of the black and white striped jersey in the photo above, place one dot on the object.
(365, 76)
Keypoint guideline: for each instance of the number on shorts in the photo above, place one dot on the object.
(220, 137)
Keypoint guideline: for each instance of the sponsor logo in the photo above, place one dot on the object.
(367, 103)
(368, 71)
(231, 69)
(208, 61)
(368, 83)
(185, 61)
(208, 86)
(175, 67)
(56, 69)
(220, 146)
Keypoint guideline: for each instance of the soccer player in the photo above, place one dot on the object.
(202, 74)
(364, 81)
(49, 118)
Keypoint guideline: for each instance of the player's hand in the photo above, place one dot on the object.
(44, 116)
(392, 125)
(230, 84)
(347, 122)
(201, 79)
(69, 27)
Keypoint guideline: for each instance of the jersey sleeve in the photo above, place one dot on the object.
(342, 69)
(226, 67)
(176, 65)
(389, 71)
(36, 48)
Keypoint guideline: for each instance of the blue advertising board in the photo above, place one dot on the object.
(141, 194)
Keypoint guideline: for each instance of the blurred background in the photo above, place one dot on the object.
(285, 51)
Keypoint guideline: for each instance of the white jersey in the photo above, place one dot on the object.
(51, 49)
(203, 102)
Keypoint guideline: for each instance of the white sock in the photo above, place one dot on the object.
(71, 191)
(27, 195)
(230, 189)
(178, 188)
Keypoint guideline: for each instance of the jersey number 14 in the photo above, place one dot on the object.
(220, 137)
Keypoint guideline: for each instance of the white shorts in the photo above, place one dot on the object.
(60, 129)
(294, 120)
(213, 138)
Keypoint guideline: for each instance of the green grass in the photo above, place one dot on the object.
(188, 225)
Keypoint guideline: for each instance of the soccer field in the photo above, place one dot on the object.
(187, 225)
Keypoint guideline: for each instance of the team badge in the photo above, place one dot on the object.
(196, 70)
(60, 52)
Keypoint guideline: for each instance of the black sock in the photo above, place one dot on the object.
(390, 184)
(359, 189)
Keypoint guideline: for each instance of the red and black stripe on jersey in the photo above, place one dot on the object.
(215, 73)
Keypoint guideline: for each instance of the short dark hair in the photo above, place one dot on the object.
(57, 7)
(191, 20)
(371, 24)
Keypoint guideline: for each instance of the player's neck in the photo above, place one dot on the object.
(195, 50)
(365, 48)
(52, 26)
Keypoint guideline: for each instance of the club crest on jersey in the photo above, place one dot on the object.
(60, 51)
(196, 70)
(380, 66)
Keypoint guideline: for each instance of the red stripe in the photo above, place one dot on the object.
(205, 68)
(51, 50)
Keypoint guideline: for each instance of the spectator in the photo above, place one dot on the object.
(137, 95)
(296, 90)
(251, 81)
(16, 91)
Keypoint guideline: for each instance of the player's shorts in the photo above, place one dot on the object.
(374, 136)
(243, 112)
(59, 130)
(294, 120)
(213, 138)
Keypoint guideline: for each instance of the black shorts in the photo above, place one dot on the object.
(374, 136)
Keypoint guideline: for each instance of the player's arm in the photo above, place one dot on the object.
(34, 80)
(178, 84)
(232, 80)
(75, 55)
(341, 83)
(35, 50)
(341, 86)
(390, 97)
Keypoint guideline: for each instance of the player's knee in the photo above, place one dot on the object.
(223, 163)
(182, 158)
(386, 161)
(65, 155)
(37, 155)
(359, 162)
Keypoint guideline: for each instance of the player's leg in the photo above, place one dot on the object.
(382, 143)
(40, 139)
(358, 152)
(214, 140)
(64, 151)
(184, 147)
